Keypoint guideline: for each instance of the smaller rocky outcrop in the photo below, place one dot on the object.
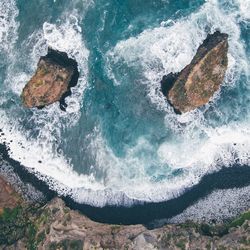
(198, 81)
(56, 73)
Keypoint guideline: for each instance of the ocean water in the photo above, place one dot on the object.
(119, 141)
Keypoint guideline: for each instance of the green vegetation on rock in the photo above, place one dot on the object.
(32, 226)
(13, 223)
(240, 220)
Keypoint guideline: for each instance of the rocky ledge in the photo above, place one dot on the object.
(55, 226)
(198, 81)
(56, 73)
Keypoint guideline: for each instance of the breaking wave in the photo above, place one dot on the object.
(73, 151)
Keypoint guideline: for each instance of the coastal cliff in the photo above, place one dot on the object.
(55, 226)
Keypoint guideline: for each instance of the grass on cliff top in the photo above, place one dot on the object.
(240, 220)
(221, 230)
(13, 224)
(10, 214)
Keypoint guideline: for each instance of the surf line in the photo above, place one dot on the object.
(233, 177)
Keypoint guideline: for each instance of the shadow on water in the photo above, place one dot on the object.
(236, 176)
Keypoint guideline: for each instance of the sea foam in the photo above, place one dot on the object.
(200, 147)
(8, 24)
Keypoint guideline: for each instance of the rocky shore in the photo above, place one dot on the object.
(27, 225)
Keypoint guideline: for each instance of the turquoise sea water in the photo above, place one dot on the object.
(119, 142)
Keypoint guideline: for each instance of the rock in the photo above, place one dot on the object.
(56, 73)
(55, 226)
(198, 81)
(9, 198)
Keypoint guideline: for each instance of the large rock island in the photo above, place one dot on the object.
(56, 73)
(198, 81)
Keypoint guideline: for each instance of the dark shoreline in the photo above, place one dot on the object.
(235, 176)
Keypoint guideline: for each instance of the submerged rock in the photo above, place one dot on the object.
(56, 73)
(198, 81)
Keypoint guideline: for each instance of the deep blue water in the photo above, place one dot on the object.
(119, 142)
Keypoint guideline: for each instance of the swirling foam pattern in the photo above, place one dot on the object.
(119, 142)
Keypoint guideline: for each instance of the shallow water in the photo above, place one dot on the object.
(119, 142)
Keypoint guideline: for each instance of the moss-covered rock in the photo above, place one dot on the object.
(13, 223)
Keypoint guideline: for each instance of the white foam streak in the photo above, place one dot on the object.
(244, 6)
(225, 144)
(8, 24)
(39, 158)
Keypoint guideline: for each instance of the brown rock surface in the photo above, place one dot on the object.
(8, 197)
(198, 81)
(68, 228)
(55, 75)
(55, 226)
